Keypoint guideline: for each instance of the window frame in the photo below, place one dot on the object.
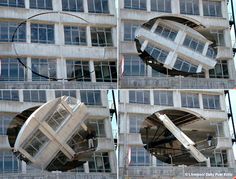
(70, 31)
(101, 69)
(42, 29)
(47, 4)
(87, 94)
(194, 100)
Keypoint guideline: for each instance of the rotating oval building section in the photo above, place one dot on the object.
(55, 136)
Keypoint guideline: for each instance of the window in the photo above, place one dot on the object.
(101, 36)
(58, 117)
(161, 5)
(4, 122)
(135, 123)
(13, 3)
(73, 5)
(75, 35)
(189, 100)
(9, 95)
(219, 159)
(129, 31)
(212, 8)
(218, 37)
(220, 70)
(156, 73)
(35, 143)
(185, 66)
(9, 163)
(99, 163)
(78, 70)
(41, 4)
(134, 66)
(141, 97)
(91, 97)
(12, 70)
(38, 96)
(43, 67)
(7, 29)
(140, 157)
(193, 44)
(135, 4)
(166, 32)
(98, 6)
(42, 33)
(211, 52)
(190, 7)
(99, 127)
(163, 98)
(71, 93)
(157, 53)
(211, 101)
(58, 162)
(105, 71)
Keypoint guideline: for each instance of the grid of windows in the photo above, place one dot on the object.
(12, 70)
(13, 3)
(42, 33)
(35, 143)
(135, 123)
(135, 4)
(38, 96)
(9, 163)
(75, 35)
(157, 53)
(189, 100)
(91, 97)
(129, 31)
(4, 122)
(140, 157)
(99, 163)
(134, 66)
(105, 71)
(71, 93)
(220, 70)
(9, 95)
(185, 66)
(101, 36)
(161, 5)
(166, 32)
(193, 44)
(7, 29)
(163, 98)
(72, 5)
(190, 7)
(41, 4)
(99, 127)
(98, 6)
(211, 101)
(43, 67)
(78, 70)
(212, 8)
(141, 97)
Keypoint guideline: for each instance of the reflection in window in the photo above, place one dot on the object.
(140, 157)
(58, 117)
(190, 7)
(134, 66)
(189, 100)
(99, 127)
(129, 31)
(212, 8)
(45, 67)
(41, 4)
(163, 98)
(140, 97)
(4, 122)
(42, 33)
(9, 95)
(157, 53)
(193, 44)
(12, 70)
(105, 71)
(38, 96)
(101, 36)
(9, 163)
(72, 5)
(218, 37)
(78, 70)
(135, 123)
(98, 6)
(166, 32)
(211, 52)
(220, 70)
(75, 35)
(13, 3)
(211, 101)
(71, 93)
(135, 4)
(99, 163)
(7, 29)
(161, 5)
(58, 162)
(185, 66)
(35, 143)
(91, 97)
